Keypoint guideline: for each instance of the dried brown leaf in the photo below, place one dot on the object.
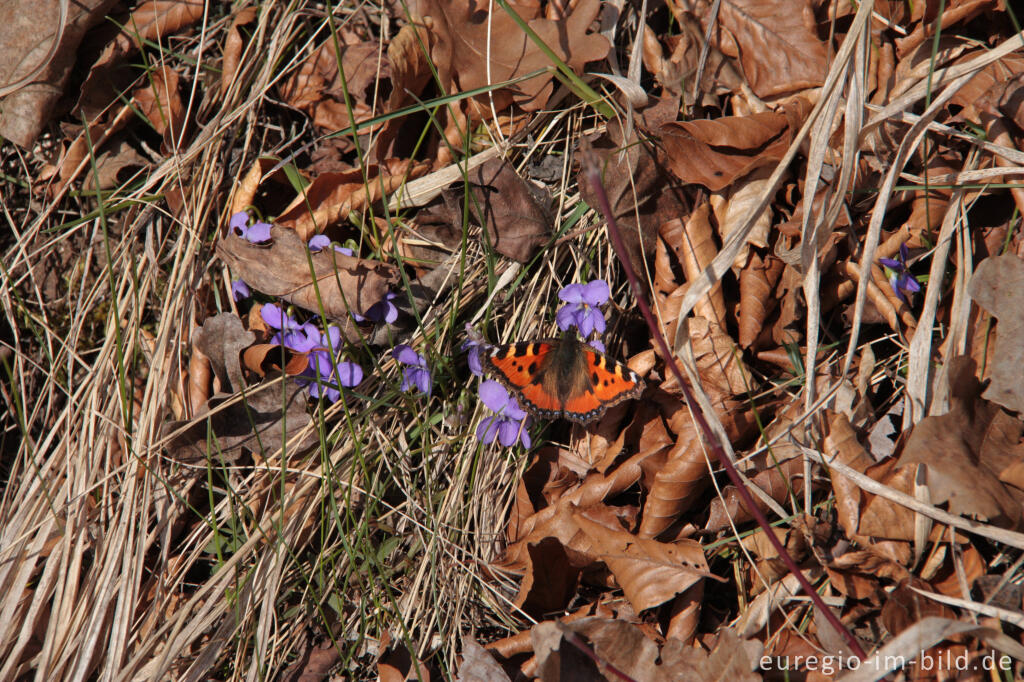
(757, 284)
(410, 73)
(998, 287)
(27, 32)
(264, 358)
(842, 445)
(550, 578)
(221, 339)
(149, 22)
(676, 484)
(950, 447)
(957, 12)
(649, 572)
(777, 43)
(260, 423)
(641, 193)
(623, 646)
(716, 153)
(159, 102)
(473, 48)
(779, 482)
(331, 197)
(732, 659)
(696, 249)
(719, 362)
(904, 606)
(345, 284)
(233, 45)
(317, 88)
(733, 206)
(514, 214)
(478, 665)
(114, 166)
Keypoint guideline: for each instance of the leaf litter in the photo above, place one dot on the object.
(296, 364)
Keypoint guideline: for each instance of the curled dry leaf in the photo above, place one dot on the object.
(621, 645)
(674, 485)
(332, 196)
(758, 279)
(514, 214)
(955, 13)
(221, 339)
(986, 90)
(318, 89)
(114, 166)
(410, 73)
(27, 34)
(197, 388)
(732, 659)
(345, 284)
(594, 489)
(696, 249)
(962, 454)
(233, 45)
(315, 663)
(841, 445)
(550, 577)
(151, 21)
(478, 665)
(776, 42)
(673, 62)
(473, 48)
(998, 287)
(778, 481)
(733, 206)
(269, 193)
(904, 607)
(641, 193)
(258, 420)
(857, 573)
(719, 363)
(159, 102)
(563, 526)
(649, 572)
(716, 153)
(263, 358)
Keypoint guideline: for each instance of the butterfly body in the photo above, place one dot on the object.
(563, 377)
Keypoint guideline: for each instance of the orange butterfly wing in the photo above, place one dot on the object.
(517, 367)
(611, 382)
(521, 368)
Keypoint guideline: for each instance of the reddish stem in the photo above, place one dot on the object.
(593, 174)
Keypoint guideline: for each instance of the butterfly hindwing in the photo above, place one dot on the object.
(563, 378)
(610, 383)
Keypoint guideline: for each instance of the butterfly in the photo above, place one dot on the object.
(563, 377)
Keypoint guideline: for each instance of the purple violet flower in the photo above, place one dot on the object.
(255, 234)
(322, 241)
(416, 374)
(581, 311)
(473, 356)
(239, 290)
(510, 423)
(900, 279)
(322, 376)
(292, 335)
(383, 310)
